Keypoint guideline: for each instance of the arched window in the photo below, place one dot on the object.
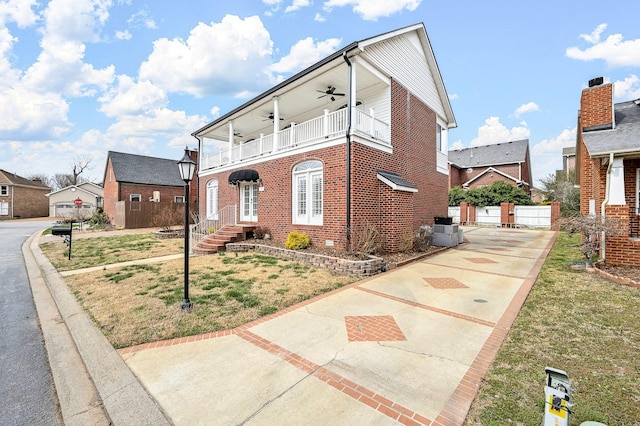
(307, 193)
(212, 199)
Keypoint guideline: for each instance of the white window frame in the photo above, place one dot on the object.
(212, 199)
(178, 199)
(442, 137)
(307, 202)
(4, 190)
(4, 208)
(138, 196)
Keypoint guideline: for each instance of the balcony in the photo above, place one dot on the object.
(330, 125)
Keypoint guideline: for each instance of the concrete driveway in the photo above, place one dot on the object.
(407, 346)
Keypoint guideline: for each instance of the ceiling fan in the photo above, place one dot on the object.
(271, 117)
(331, 91)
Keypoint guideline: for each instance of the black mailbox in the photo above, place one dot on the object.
(61, 231)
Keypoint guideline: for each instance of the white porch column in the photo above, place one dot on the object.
(276, 123)
(616, 183)
(352, 94)
(230, 142)
(325, 124)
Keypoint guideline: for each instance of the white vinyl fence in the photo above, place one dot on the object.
(525, 216)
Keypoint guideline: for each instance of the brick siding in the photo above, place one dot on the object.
(413, 136)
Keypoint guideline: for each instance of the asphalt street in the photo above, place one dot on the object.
(27, 393)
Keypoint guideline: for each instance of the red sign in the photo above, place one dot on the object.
(77, 202)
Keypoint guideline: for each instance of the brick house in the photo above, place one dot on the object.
(482, 165)
(355, 141)
(21, 197)
(608, 167)
(142, 179)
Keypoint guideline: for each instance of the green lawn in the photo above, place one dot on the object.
(577, 322)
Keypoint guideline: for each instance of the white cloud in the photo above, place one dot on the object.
(371, 10)
(453, 96)
(627, 89)
(304, 53)
(29, 115)
(297, 4)
(614, 50)
(18, 11)
(123, 35)
(525, 108)
(60, 67)
(142, 19)
(130, 98)
(554, 145)
(456, 145)
(546, 156)
(78, 20)
(495, 132)
(223, 58)
(594, 37)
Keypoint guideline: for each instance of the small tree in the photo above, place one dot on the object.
(490, 195)
(561, 188)
(591, 228)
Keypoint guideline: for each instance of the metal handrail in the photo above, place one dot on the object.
(224, 217)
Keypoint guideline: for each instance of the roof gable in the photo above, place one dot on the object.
(419, 39)
(490, 155)
(140, 169)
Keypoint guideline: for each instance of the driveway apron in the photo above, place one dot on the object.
(407, 346)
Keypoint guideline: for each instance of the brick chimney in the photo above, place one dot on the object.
(596, 106)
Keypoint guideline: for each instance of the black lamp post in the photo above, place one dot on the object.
(187, 167)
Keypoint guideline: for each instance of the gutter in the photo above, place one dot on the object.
(603, 207)
(348, 145)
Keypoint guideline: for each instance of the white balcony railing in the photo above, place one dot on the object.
(331, 124)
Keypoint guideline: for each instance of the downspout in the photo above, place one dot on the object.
(603, 207)
(348, 145)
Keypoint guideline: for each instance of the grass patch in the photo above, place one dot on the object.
(140, 303)
(577, 322)
(89, 252)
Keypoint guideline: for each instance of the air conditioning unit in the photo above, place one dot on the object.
(445, 235)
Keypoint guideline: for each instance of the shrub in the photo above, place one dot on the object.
(297, 240)
(260, 232)
(212, 229)
(366, 239)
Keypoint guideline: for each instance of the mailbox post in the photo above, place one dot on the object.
(65, 232)
(557, 394)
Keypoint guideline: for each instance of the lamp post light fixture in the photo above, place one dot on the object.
(187, 167)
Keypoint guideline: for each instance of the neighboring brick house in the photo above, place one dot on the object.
(608, 167)
(139, 178)
(21, 197)
(356, 141)
(482, 165)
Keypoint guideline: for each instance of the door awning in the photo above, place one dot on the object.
(245, 175)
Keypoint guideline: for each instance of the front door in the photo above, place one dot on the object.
(249, 202)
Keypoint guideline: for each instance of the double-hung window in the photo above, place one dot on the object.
(308, 193)
(4, 190)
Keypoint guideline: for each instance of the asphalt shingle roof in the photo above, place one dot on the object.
(624, 137)
(145, 170)
(490, 155)
(19, 180)
(396, 179)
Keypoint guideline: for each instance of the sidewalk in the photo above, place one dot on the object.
(407, 346)
(410, 345)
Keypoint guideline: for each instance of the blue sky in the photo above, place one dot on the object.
(81, 77)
